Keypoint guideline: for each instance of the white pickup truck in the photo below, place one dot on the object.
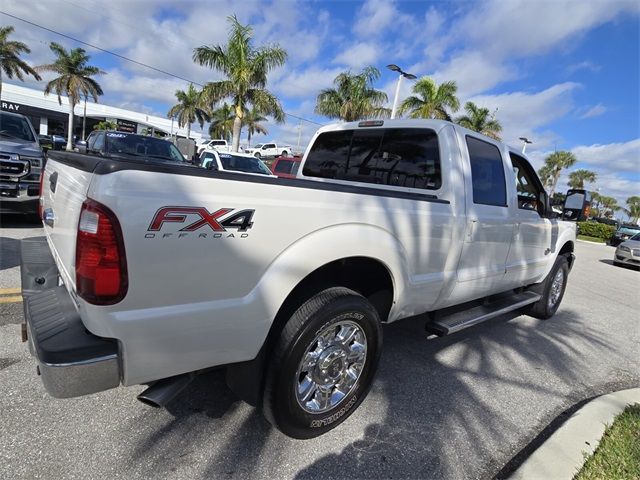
(151, 273)
(218, 145)
(268, 150)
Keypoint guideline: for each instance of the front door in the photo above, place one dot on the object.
(531, 249)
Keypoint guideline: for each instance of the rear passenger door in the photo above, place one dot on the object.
(489, 224)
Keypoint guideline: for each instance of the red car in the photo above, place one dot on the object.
(286, 167)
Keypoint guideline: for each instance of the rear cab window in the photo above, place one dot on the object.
(408, 158)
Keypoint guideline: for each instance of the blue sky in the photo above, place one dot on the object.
(564, 74)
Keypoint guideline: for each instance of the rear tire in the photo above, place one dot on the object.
(284, 153)
(323, 364)
(552, 290)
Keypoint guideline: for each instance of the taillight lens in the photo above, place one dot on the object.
(101, 266)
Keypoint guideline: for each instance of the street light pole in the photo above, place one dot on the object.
(410, 76)
(525, 141)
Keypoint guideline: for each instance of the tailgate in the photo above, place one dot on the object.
(64, 189)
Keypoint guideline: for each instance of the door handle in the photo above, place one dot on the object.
(48, 217)
(471, 226)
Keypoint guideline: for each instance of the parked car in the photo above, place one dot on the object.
(21, 161)
(233, 162)
(219, 145)
(628, 252)
(151, 276)
(624, 232)
(108, 143)
(269, 150)
(286, 167)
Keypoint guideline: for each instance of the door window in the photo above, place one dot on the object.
(487, 173)
(528, 185)
(91, 141)
(98, 145)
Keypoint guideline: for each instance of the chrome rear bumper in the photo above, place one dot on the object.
(71, 360)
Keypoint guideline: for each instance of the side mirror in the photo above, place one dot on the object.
(81, 147)
(576, 206)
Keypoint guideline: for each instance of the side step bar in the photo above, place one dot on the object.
(457, 321)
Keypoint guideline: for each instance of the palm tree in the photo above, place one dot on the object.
(479, 120)
(609, 206)
(546, 176)
(221, 125)
(353, 97)
(431, 100)
(74, 79)
(190, 108)
(554, 164)
(596, 200)
(246, 69)
(105, 125)
(577, 178)
(10, 62)
(633, 211)
(252, 120)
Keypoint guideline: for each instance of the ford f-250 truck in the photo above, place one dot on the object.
(151, 273)
(21, 160)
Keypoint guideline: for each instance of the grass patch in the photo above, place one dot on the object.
(590, 239)
(618, 454)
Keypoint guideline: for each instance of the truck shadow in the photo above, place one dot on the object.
(428, 407)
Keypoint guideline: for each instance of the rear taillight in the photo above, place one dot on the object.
(40, 197)
(101, 266)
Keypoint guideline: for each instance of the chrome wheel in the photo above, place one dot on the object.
(556, 288)
(331, 366)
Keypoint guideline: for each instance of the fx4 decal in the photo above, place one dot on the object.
(241, 220)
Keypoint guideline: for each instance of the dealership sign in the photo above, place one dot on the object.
(12, 107)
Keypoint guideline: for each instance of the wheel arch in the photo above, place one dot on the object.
(380, 280)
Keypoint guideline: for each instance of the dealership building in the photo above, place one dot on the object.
(48, 117)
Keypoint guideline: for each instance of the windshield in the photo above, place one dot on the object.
(636, 237)
(629, 230)
(244, 164)
(12, 126)
(141, 146)
(258, 145)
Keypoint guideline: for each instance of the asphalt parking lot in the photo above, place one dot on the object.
(455, 407)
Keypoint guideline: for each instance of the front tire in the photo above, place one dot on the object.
(551, 290)
(323, 364)
(257, 155)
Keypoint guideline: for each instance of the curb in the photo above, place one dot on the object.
(562, 455)
(592, 243)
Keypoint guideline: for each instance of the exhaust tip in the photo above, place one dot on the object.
(163, 391)
(148, 401)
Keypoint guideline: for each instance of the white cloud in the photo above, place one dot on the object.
(594, 111)
(305, 83)
(521, 27)
(375, 17)
(474, 73)
(358, 55)
(615, 157)
(525, 114)
(584, 65)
